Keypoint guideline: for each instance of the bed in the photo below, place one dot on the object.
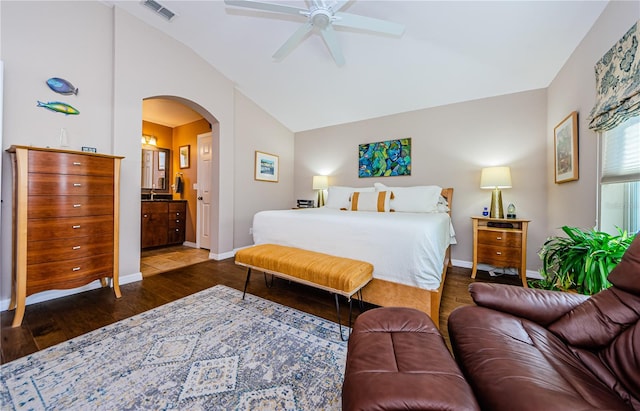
(409, 249)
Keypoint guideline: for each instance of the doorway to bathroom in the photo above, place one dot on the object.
(173, 125)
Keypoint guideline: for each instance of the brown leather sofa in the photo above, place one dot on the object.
(527, 349)
(397, 360)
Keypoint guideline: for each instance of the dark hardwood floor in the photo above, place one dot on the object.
(52, 322)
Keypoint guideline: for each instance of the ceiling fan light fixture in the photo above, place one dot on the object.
(320, 19)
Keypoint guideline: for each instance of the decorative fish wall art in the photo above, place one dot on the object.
(61, 86)
(59, 107)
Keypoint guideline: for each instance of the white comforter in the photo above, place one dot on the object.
(406, 248)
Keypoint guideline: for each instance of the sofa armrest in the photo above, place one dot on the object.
(540, 306)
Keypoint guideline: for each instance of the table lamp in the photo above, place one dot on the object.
(495, 178)
(320, 183)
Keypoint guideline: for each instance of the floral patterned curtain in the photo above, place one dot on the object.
(617, 83)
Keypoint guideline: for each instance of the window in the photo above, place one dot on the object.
(620, 178)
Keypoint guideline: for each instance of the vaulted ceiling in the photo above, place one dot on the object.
(451, 51)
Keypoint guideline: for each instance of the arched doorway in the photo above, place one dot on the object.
(174, 124)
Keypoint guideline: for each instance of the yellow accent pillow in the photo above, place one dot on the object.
(376, 201)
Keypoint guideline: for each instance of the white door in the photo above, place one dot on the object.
(205, 167)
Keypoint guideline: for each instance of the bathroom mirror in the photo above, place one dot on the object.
(155, 169)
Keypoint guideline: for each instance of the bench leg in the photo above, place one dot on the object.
(246, 283)
(360, 300)
(268, 284)
(340, 321)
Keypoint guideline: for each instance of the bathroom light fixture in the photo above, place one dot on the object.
(495, 178)
(320, 183)
(149, 140)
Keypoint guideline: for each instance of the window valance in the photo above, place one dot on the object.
(617, 83)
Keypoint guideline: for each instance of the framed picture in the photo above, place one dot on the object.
(385, 158)
(184, 153)
(566, 149)
(266, 167)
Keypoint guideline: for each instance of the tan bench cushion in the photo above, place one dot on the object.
(337, 274)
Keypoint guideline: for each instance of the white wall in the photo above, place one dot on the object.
(263, 134)
(574, 89)
(116, 61)
(450, 145)
(32, 53)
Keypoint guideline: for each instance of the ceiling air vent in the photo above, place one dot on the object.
(160, 9)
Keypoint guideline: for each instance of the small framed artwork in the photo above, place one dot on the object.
(184, 153)
(566, 149)
(266, 167)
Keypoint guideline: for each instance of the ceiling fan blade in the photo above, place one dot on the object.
(331, 40)
(279, 8)
(293, 41)
(368, 23)
(339, 5)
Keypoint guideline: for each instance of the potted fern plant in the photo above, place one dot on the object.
(581, 261)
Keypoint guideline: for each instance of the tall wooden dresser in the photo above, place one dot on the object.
(65, 221)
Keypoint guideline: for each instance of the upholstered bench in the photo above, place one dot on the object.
(397, 360)
(338, 275)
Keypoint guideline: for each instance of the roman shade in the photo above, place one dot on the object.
(621, 154)
(617, 83)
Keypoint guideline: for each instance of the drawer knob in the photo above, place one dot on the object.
(75, 227)
(177, 229)
(76, 268)
(75, 247)
(77, 163)
(177, 214)
(77, 184)
(77, 205)
(498, 238)
(498, 252)
(146, 215)
(177, 221)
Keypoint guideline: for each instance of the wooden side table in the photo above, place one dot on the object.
(500, 242)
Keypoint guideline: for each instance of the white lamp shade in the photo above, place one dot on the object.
(320, 182)
(495, 177)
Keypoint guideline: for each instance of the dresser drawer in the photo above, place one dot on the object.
(68, 273)
(178, 207)
(51, 229)
(45, 251)
(499, 256)
(69, 184)
(500, 238)
(69, 206)
(67, 163)
(176, 223)
(176, 236)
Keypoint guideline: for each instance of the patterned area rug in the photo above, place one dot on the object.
(211, 350)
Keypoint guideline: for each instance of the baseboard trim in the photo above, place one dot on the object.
(53, 294)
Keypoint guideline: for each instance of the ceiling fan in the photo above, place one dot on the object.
(321, 17)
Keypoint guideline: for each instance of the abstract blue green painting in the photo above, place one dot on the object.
(385, 158)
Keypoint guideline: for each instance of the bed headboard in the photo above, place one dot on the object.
(448, 194)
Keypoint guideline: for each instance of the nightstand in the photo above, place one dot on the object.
(500, 242)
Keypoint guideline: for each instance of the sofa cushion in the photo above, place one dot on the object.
(597, 322)
(504, 356)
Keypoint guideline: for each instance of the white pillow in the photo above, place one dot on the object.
(370, 201)
(416, 199)
(339, 197)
